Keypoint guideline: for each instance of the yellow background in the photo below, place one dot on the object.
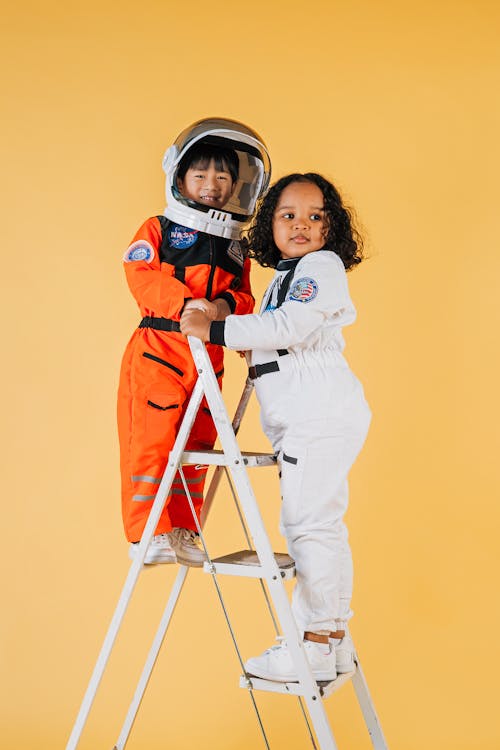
(398, 104)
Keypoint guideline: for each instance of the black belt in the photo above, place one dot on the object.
(160, 324)
(257, 370)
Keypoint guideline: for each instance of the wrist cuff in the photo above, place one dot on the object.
(228, 297)
(186, 299)
(216, 333)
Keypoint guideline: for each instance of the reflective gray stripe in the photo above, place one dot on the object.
(145, 498)
(154, 480)
(192, 480)
(145, 478)
(181, 492)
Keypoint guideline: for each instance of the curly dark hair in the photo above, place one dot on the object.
(342, 237)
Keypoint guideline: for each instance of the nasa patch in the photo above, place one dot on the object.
(235, 252)
(304, 290)
(181, 237)
(139, 250)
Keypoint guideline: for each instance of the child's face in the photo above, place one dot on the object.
(299, 221)
(207, 185)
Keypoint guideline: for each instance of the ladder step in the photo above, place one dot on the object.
(246, 563)
(217, 458)
(293, 688)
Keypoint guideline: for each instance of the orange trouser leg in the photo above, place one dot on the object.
(151, 404)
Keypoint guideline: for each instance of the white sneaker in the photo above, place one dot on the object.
(159, 551)
(187, 546)
(276, 663)
(345, 655)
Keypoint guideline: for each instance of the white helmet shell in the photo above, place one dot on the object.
(253, 178)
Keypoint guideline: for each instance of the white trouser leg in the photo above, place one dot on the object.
(345, 586)
(318, 432)
(315, 498)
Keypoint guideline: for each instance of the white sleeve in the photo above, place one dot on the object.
(318, 292)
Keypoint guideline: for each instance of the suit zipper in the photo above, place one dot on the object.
(212, 270)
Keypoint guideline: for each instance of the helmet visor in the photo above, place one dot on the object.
(254, 167)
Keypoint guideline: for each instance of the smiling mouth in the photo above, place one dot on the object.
(210, 198)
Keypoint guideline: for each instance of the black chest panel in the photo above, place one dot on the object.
(182, 247)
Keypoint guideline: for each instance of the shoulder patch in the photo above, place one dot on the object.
(235, 252)
(181, 237)
(304, 290)
(139, 250)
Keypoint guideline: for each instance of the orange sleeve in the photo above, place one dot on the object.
(151, 282)
(243, 297)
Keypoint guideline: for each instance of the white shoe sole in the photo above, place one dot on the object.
(185, 560)
(319, 675)
(155, 559)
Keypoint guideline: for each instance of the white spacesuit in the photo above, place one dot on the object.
(314, 412)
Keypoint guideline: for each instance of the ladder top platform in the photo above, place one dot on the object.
(250, 557)
(246, 563)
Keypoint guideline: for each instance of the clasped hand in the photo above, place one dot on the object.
(196, 318)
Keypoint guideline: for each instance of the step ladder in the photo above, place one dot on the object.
(257, 561)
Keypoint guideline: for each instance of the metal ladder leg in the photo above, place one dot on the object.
(152, 657)
(368, 709)
(308, 688)
(136, 567)
(175, 593)
(278, 593)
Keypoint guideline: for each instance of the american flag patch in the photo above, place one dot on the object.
(304, 290)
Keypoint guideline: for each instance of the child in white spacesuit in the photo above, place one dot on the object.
(313, 408)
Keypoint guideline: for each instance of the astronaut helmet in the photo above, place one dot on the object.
(235, 148)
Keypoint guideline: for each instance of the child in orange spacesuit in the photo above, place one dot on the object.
(191, 256)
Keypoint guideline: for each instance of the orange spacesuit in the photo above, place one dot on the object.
(166, 265)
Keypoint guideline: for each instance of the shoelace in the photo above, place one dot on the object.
(279, 646)
(187, 535)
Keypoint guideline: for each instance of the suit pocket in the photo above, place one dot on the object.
(163, 412)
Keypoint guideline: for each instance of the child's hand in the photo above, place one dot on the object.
(209, 308)
(195, 323)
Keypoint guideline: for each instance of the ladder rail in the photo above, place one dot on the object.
(152, 658)
(217, 476)
(262, 545)
(249, 388)
(214, 574)
(176, 592)
(368, 708)
(244, 491)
